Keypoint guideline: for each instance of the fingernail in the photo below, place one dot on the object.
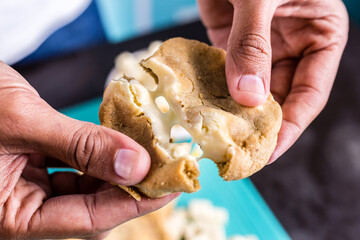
(251, 83)
(125, 160)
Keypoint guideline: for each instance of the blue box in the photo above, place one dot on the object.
(124, 19)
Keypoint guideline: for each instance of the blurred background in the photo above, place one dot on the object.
(65, 49)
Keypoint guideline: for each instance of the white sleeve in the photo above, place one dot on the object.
(25, 24)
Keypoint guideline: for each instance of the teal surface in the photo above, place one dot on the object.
(87, 111)
(248, 212)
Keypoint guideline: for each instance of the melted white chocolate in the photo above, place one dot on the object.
(205, 130)
(161, 123)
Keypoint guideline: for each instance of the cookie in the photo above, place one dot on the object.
(192, 92)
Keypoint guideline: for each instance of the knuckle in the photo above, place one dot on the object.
(336, 27)
(16, 115)
(87, 145)
(252, 47)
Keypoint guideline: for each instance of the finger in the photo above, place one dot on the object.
(36, 172)
(309, 92)
(65, 183)
(100, 236)
(41, 161)
(282, 74)
(88, 215)
(36, 160)
(215, 13)
(60, 183)
(216, 16)
(248, 59)
(95, 150)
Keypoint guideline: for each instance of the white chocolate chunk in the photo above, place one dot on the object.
(179, 134)
(162, 104)
(196, 151)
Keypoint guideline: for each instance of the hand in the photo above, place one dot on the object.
(301, 59)
(32, 137)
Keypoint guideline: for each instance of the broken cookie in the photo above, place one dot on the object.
(191, 92)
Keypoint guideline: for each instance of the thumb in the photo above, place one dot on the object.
(30, 125)
(248, 59)
(95, 150)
